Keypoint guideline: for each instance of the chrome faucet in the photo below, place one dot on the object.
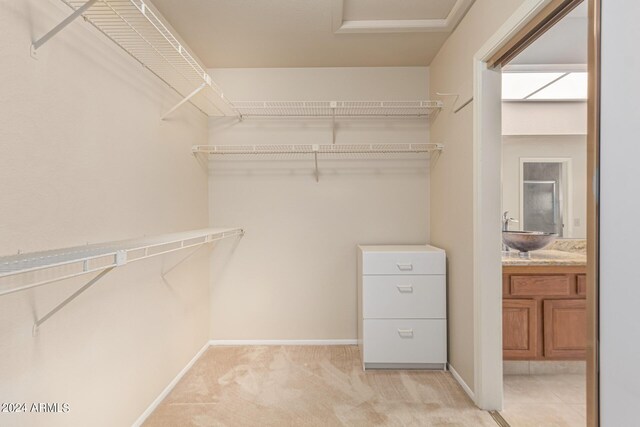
(506, 220)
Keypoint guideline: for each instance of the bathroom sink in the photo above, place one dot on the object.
(525, 241)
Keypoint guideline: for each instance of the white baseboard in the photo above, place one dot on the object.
(169, 387)
(283, 342)
(464, 385)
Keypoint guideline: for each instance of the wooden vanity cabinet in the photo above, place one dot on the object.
(544, 314)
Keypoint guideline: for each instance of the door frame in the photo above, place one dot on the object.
(487, 140)
(566, 190)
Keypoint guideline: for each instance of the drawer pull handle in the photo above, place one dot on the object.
(405, 267)
(405, 333)
(405, 288)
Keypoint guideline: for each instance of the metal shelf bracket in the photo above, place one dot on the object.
(333, 105)
(184, 101)
(36, 325)
(315, 149)
(69, 19)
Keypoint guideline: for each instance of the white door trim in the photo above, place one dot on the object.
(487, 269)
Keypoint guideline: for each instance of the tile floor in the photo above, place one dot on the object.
(552, 400)
(311, 386)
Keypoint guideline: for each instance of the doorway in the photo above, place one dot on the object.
(520, 31)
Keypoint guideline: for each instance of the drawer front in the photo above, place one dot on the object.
(405, 341)
(540, 285)
(403, 263)
(402, 297)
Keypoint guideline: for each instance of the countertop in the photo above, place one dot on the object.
(545, 257)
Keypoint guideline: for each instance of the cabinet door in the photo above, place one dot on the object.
(519, 328)
(565, 329)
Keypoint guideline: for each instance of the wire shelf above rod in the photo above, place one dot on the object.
(75, 261)
(316, 151)
(139, 30)
(337, 108)
(323, 149)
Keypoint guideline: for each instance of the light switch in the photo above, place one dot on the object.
(576, 222)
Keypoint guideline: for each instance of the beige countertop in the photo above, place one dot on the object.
(545, 257)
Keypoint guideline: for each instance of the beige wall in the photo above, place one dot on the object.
(85, 158)
(544, 118)
(293, 276)
(452, 176)
(545, 129)
(573, 147)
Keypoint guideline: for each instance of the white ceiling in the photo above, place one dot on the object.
(313, 33)
(564, 43)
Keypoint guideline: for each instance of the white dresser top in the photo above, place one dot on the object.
(399, 248)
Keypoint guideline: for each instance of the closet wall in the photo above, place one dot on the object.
(84, 157)
(453, 177)
(293, 275)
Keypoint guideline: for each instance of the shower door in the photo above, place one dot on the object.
(542, 198)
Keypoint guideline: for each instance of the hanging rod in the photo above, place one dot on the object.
(140, 31)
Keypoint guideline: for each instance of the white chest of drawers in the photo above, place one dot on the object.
(402, 316)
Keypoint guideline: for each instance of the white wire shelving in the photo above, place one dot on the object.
(26, 271)
(315, 151)
(337, 108)
(140, 31)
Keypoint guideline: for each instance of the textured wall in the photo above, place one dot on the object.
(452, 179)
(85, 158)
(293, 276)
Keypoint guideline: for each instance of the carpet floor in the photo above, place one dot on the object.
(311, 386)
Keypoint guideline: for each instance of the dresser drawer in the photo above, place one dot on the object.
(407, 262)
(405, 341)
(402, 297)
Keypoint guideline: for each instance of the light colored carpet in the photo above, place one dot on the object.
(311, 386)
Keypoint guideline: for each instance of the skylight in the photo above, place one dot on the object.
(556, 86)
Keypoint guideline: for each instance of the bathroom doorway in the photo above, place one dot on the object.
(544, 190)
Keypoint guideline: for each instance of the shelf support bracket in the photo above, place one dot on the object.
(315, 158)
(186, 99)
(73, 296)
(334, 105)
(170, 269)
(69, 19)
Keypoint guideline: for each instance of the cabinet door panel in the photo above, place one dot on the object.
(519, 328)
(565, 329)
(582, 284)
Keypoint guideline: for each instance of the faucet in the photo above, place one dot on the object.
(505, 226)
(506, 220)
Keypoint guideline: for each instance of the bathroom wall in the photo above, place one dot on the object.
(544, 118)
(573, 147)
(293, 275)
(84, 158)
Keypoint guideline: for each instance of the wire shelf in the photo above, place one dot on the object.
(312, 149)
(138, 30)
(337, 108)
(71, 262)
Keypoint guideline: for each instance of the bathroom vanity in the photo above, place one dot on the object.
(544, 315)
